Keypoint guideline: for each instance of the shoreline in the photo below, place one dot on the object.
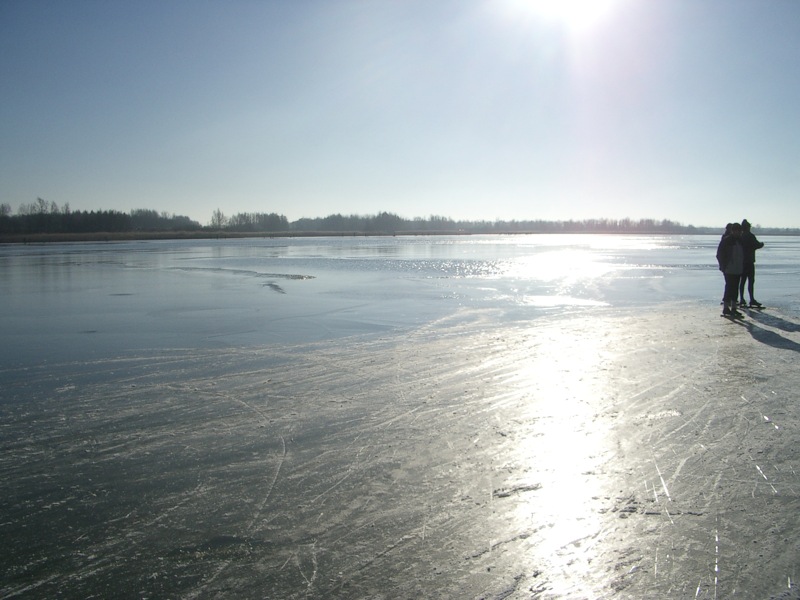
(45, 238)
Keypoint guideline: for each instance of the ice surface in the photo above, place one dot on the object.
(413, 430)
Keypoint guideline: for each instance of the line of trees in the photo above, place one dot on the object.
(47, 217)
(384, 223)
(250, 222)
(389, 223)
(42, 217)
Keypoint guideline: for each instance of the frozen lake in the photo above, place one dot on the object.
(493, 417)
(91, 300)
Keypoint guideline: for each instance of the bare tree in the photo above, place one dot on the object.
(218, 219)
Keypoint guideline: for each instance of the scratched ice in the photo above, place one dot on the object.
(482, 417)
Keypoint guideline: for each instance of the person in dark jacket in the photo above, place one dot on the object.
(730, 258)
(750, 244)
(725, 234)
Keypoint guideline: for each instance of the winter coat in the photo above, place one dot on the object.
(750, 244)
(730, 255)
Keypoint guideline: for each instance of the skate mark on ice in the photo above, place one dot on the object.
(223, 565)
(716, 561)
(314, 567)
(774, 491)
(663, 483)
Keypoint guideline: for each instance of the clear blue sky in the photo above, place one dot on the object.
(477, 109)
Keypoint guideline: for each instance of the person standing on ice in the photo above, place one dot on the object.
(750, 244)
(730, 257)
(725, 234)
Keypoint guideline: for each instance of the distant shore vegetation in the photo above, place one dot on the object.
(46, 221)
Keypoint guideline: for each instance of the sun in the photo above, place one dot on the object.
(575, 15)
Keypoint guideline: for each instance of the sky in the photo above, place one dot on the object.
(687, 110)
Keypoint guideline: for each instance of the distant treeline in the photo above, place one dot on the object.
(43, 218)
(388, 222)
(385, 223)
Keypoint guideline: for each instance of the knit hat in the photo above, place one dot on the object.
(746, 224)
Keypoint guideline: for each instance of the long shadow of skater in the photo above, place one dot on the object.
(770, 338)
(774, 321)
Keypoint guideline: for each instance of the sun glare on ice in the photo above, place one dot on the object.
(564, 376)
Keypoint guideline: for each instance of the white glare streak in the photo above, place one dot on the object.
(664, 483)
(716, 562)
(655, 565)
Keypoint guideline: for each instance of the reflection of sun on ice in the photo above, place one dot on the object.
(573, 265)
(569, 275)
(564, 447)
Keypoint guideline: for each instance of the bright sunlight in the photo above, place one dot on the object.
(575, 15)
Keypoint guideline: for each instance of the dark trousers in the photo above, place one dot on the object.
(749, 278)
(731, 289)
